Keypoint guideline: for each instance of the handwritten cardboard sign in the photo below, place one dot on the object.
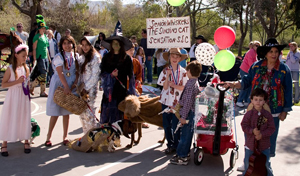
(168, 32)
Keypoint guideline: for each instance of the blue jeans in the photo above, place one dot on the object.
(170, 122)
(148, 66)
(266, 152)
(295, 77)
(244, 94)
(273, 137)
(186, 137)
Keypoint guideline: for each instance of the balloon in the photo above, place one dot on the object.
(205, 54)
(224, 37)
(224, 60)
(176, 2)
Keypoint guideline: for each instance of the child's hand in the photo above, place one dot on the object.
(171, 84)
(258, 137)
(169, 72)
(182, 121)
(21, 79)
(115, 72)
(256, 131)
(67, 90)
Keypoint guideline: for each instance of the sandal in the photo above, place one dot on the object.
(66, 142)
(5, 154)
(27, 150)
(48, 143)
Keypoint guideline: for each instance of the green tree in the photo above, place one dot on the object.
(30, 8)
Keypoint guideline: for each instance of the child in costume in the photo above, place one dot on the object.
(89, 63)
(187, 113)
(260, 112)
(172, 78)
(15, 117)
(65, 75)
(40, 57)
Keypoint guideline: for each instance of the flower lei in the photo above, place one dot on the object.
(267, 76)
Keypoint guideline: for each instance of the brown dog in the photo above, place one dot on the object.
(142, 109)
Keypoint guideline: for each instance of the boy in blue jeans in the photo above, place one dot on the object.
(187, 113)
(249, 125)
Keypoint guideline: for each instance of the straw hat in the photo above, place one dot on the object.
(174, 51)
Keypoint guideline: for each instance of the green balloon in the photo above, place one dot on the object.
(224, 60)
(176, 2)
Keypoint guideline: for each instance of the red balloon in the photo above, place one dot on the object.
(224, 37)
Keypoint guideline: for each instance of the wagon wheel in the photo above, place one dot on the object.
(198, 156)
(233, 157)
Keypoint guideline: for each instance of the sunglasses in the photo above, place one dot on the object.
(19, 26)
(257, 46)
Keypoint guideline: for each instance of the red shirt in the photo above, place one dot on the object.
(249, 122)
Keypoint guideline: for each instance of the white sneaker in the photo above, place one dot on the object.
(239, 104)
(145, 81)
(246, 104)
(241, 168)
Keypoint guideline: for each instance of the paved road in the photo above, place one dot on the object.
(147, 158)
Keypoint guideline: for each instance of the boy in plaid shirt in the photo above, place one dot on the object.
(187, 112)
(249, 125)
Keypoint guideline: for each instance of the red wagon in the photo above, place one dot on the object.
(214, 114)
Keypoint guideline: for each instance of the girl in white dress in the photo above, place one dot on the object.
(15, 116)
(89, 63)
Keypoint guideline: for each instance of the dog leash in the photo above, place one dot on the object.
(150, 91)
(92, 112)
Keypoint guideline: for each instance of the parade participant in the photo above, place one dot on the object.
(68, 32)
(252, 132)
(101, 37)
(199, 39)
(292, 61)
(22, 34)
(149, 55)
(137, 70)
(172, 78)
(30, 42)
(187, 113)
(89, 63)
(116, 66)
(16, 114)
(53, 50)
(136, 45)
(40, 57)
(140, 55)
(275, 78)
(161, 62)
(249, 59)
(56, 34)
(65, 75)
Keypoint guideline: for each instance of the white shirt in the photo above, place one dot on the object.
(171, 96)
(192, 53)
(23, 35)
(160, 60)
(58, 36)
(51, 48)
